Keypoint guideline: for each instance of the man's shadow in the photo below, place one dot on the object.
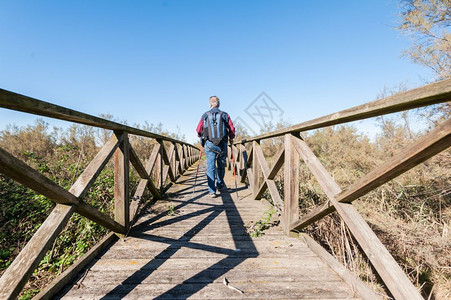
(242, 241)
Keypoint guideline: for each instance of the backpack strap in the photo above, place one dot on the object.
(215, 126)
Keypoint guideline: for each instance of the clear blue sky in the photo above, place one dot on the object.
(160, 60)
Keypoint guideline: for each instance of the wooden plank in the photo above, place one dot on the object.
(278, 163)
(158, 171)
(250, 175)
(14, 101)
(228, 163)
(250, 158)
(164, 155)
(269, 183)
(22, 173)
(143, 183)
(437, 92)
(243, 164)
(174, 162)
(255, 172)
(261, 159)
(261, 190)
(29, 177)
(18, 273)
(301, 276)
(277, 200)
(176, 265)
(387, 268)
(89, 175)
(165, 174)
(323, 177)
(291, 184)
(121, 183)
(137, 164)
(204, 251)
(410, 156)
(177, 168)
(144, 173)
(185, 157)
(169, 162)
(260, 290)
(50, 291)
(364, 291)
(178, 160)
(154, 157)
(185, 254)
(235, 162)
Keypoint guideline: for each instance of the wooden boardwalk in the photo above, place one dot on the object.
(184, 247)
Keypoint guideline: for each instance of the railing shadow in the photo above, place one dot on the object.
(204, 277)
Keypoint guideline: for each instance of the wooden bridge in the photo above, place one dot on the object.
(183, 244)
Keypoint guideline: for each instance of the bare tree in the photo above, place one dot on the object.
(427, 22)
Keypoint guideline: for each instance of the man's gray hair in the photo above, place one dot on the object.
(214, 101)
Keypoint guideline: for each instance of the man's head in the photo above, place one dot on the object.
(214, 101)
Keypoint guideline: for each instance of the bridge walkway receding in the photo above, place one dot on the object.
(186, 245)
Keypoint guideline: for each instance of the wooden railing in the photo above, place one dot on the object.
(165, 161)
(252, 167)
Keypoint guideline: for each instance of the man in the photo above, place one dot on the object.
(215, 128)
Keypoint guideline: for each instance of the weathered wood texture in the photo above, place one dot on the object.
(291, 184)
(362, 289)
(64, 278)
(434, 142)
(69, 201)
(269, 183)
(433, 93)
(390, 272)
(185, 246)
(121, 182)
(26, 104)
(24, 174)
(16, 276)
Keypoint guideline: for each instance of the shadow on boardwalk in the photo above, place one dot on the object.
(184, 247)
(203, 278)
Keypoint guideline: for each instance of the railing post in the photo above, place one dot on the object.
(243, 163)
(291, 184)
(174, 162)
(161, 160)
(157, 170)
(255, 171)
(121, 182)
(236, 157)
(185, 157)
(228, 159)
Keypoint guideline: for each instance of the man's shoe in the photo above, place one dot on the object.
(221, 187)
(212, 195)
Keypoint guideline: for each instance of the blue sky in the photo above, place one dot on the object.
(159, 61)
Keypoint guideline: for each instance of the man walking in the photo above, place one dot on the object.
(215, 128)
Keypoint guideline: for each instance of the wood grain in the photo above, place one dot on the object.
(437, 92)
(14, 101)
(386, 266)
(434, 142)
(18, 273)
(29, 177)
(187, 255)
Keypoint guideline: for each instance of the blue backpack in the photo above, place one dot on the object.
(215, 126)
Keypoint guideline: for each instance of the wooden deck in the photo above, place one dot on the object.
(188, 253)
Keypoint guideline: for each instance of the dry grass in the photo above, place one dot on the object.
(411, 214)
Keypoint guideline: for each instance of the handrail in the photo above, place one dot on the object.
(14, 101)
(161, 165)
(253, 168)
(434, 93)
